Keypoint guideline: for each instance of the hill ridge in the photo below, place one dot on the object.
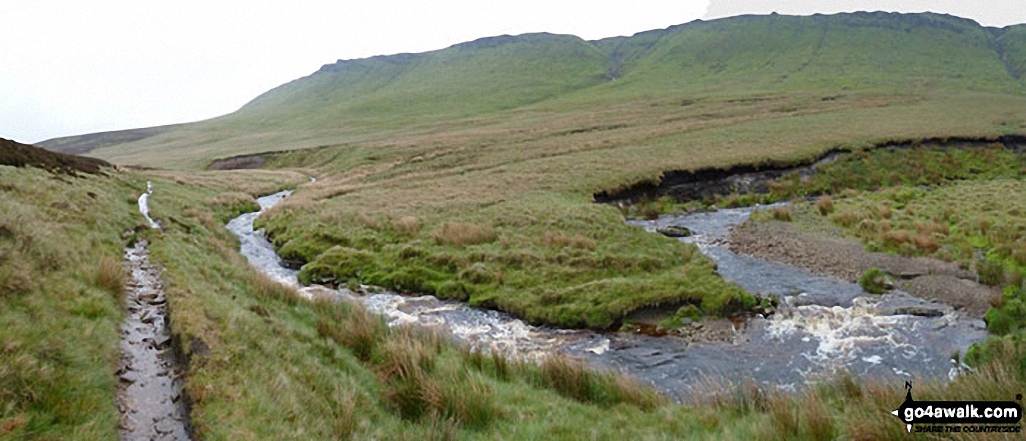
(743, 55)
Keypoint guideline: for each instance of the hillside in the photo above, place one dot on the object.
(16, 154)
(491, 80)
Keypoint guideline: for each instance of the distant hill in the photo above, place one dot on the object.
(876, 52)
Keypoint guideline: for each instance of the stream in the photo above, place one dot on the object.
(150, 396)
(823, 325)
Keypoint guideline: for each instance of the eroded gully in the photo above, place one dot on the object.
(825, 325)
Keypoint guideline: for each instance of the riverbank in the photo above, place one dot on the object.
(836, 256)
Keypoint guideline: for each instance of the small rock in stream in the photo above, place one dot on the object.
(916, 310)
(674, 231)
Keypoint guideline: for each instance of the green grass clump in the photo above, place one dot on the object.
(874, 281)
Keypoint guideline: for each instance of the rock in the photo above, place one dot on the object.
(162, 342)
(802, 299)
(916, 310)
(674, 231)
(911, 274)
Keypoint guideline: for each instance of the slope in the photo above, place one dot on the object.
(494, 80)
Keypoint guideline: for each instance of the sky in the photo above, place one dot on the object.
(73, 67)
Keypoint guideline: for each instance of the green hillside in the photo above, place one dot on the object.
(877, 51)
(1011, 44)
(485, 75)
(490, 80)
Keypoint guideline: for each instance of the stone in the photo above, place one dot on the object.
(674, 231)
(916, 310)
(911, 274)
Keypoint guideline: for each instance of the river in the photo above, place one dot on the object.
(824, 324)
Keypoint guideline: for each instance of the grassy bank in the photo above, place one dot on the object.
(958, 204)
(60, 301)
(263, 364)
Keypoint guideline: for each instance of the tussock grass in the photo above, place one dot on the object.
(111, 276)
(825, 204)
(356, 329)
(406, 224)
(573, 379)
(781, 214)
(463, 234)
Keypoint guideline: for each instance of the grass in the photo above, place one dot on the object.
(264, 364)
(874, 281)
(470, 175)
(60, 301)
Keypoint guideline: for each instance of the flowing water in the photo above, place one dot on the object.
(150, 397)
(825, 324)
(144, 206)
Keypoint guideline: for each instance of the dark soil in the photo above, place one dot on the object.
(22, 155)
(256, 160)
(705, 183)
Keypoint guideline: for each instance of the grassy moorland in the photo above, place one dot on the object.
(261, 363)
(469, 173)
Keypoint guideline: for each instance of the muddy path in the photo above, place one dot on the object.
(150, 393)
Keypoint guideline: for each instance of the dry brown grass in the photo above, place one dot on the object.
(463, 234)
(984, 225)
(896, 237)
(109, 275)
(583, 243)
(268, 288)
(343, 415)
(845, 218)
(368, 221)
(782, 214)
(925, 243)
(556, 239)
(931, 228)
(825, 205)
(406, 224)
(884, 212)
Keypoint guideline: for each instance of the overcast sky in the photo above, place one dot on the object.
(73, 67)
